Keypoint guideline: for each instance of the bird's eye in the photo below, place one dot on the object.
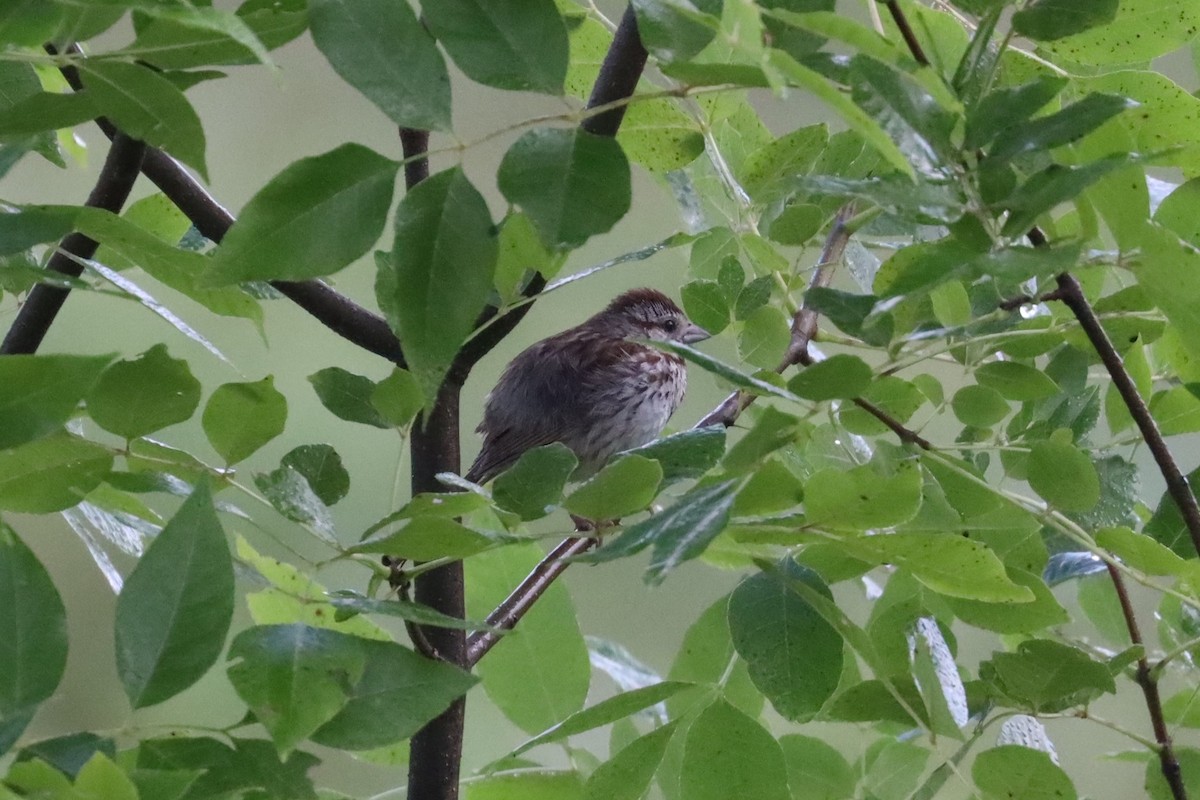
(670, 324)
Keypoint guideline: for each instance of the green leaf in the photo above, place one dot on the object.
(1000, 109)
(1140, 31)
(1053, 185)
(753, 296)
(38, 394)
(859, 120)
(705, 304)
(147, 106)
(723, 370)
(33, 629)
(1046, 676)
(1047, 20)
(440, 273)
(398, 398)
(426, 538)
(100, 777)
(765, 337)
(176, 605)
(1015, 381)
(727, 754)
(243, 764)
(679, 533)
(767, 173)
(946, 563)
(571, 183)
(1167, 526)
(674, 31)
(528, 784)
(138, 397)
(624, 486)
(222, 23)
(242, 417)
(176, 39)
(687, 454)
(51, 473)
(773, 430)
(347, 396)
(861, 498)
(1043, 612)
(349, 603)
(511, 44)
(1060, 128)
(705, 656)
(1141, 551)
(398, 694)
(288, 491)
(794, 656)
(839, 377)
(606, 712)
(535, 483)
(181, 270)
(295, 678)
(979, 406)
(627, 774)
(911, 116)
(361, 40)
(47, 111)
(537, 675)
(22, 227)
(312, 219)
(322, 467)
(1063, 475)
(817, 766)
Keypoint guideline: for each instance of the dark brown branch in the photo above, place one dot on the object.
(333, 310)
(435, 752)
(906, 31)
(618, 79)
(1177, 483)
(1144, 677)
(112, 189)
(804, 321)
(509, 613)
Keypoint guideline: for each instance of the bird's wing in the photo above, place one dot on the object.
(533, 404)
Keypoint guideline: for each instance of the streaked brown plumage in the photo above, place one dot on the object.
(589, 387)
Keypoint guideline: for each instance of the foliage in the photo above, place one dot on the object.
(934, 510)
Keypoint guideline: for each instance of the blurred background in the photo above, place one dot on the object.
(257, 122)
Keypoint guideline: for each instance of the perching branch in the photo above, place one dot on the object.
(110, 193)
(333, 310)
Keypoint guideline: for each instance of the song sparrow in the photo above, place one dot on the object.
(589, 387)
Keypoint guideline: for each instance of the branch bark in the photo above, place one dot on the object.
(435, 752)
(112, 189)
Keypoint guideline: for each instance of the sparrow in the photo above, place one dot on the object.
(594, 387)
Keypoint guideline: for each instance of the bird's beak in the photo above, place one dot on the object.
(694, 333)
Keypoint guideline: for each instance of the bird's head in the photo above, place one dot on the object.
(649, 314)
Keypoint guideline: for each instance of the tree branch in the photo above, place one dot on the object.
(335, 311)
(1071, 294)
(1144, 677)
(40, 309)
(435, 751)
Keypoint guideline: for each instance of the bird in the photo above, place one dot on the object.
(595, 387)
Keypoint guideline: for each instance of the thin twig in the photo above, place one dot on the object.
(1177, 483)
(522, 598)
(906, 31)
(804, 322)
(1144, 677)
(40, 309)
